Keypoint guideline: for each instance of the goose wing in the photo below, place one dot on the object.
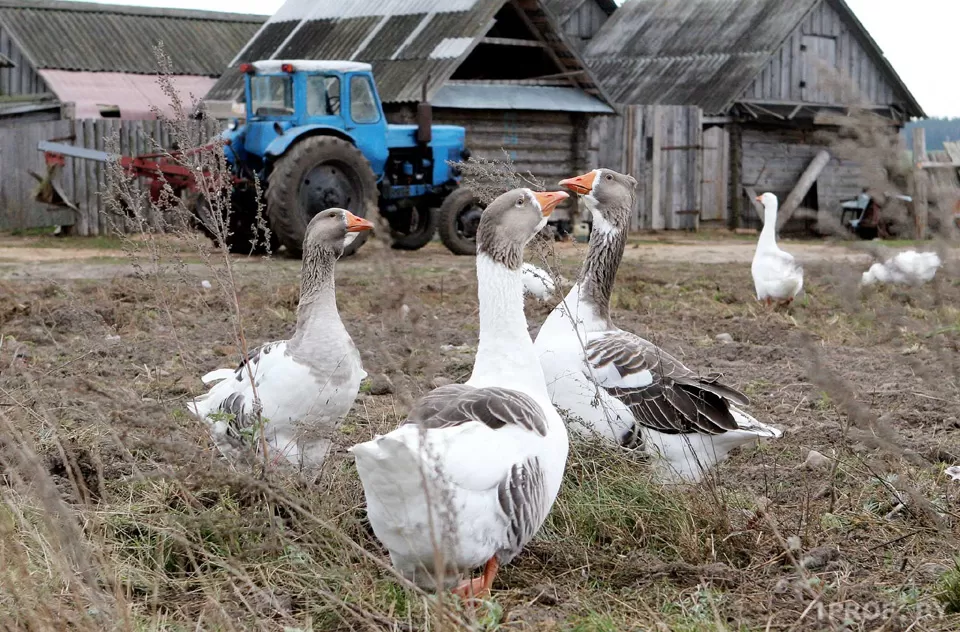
(662, 393)
(484, 432)
(232, 393)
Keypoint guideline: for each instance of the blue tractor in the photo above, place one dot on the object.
(315, 136)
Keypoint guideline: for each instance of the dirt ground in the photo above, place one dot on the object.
(97, 345)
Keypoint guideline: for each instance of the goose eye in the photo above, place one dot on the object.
(609, 177)
(520, 202)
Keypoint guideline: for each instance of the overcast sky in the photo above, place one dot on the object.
(919, 37)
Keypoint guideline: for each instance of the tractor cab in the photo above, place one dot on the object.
(335, 97)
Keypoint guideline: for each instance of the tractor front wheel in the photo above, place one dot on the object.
(459, 218)
(318, 173)
(412, 228)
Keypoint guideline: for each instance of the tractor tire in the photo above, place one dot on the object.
(241, 225)
(459, 217)
(419, 228)
(318, 173)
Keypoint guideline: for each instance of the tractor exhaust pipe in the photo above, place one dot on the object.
(424, 116)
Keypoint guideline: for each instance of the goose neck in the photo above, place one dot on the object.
(505, 353)
(318, 297)
(768, 234)
(604, 255)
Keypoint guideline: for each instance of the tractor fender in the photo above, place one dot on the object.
(282, 143)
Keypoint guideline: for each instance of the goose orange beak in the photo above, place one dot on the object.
(759, 198)
(549, 199)
(581, 184)
(357, 224)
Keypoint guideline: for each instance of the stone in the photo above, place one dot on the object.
(816, 461)
(380, 384)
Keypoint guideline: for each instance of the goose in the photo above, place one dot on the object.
(908, 268)
(953, 472)
(615, 384)
(776, 275)
(471, 474)
(304, 385)
(537, 282)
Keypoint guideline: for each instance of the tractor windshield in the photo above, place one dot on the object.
(271, 95)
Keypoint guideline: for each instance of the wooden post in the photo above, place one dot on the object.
(919, 192)
(656, 210)
(807, 178)
(736, 164)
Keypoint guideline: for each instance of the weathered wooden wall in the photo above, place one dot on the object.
(81, 180)
(716, 171)
(661, 146)
(22, 78)
(584, 23)
(543, 143)
(774, 159)
(795, 73)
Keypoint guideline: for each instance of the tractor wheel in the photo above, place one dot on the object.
(459, 217)
(413, 228)
(241, 225)
(318, 173)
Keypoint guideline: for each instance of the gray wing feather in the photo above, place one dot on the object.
(234, 403)
(457, 404)
(522, 496)
(678, 401)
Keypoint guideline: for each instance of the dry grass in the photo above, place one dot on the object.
(117, 514)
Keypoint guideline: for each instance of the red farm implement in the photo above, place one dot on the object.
(158, 169)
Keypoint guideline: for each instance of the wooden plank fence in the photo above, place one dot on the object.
(662, 147)
(83, 181)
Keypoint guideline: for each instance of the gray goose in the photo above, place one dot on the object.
(306, 384)
(615, 383)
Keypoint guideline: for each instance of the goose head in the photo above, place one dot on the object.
(875, 273)
(769, 201)
(609, 196)
(333, 230)
(510, 222)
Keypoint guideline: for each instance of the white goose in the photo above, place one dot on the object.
(306, 384)
(471, 475)
(537, 282)
(909, 268)
(620, 386)
(776, 274)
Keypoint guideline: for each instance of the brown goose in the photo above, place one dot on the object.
(617, 384)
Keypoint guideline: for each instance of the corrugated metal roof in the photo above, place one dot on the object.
(696, 52)
(116, 38)
(406, 41)
(550, 98)
(701, 52)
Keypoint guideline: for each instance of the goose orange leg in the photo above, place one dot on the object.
(481, 585)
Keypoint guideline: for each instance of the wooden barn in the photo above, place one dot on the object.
(765, 75)
(500, 68)
(580, 20)
(64, 60)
